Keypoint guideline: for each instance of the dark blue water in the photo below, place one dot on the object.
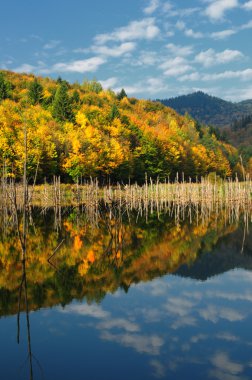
(192, 322)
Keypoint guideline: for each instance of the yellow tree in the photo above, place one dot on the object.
(35, 122)
(93, 149)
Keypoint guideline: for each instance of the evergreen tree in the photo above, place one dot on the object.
(35, 93)
(59, 80)
(114, 112)
(62, 109)
(122, 94)
(75, 99)
(5, 87)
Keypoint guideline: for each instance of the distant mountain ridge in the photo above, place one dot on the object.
(209, 109)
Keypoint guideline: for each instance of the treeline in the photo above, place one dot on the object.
(81, 130)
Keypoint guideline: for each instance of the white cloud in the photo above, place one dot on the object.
(180, 25)
(230, 296)
(195, 76)
(167, 6)
(239, 74)
(210, 58)
(198, 338)
(86, 310)
(244, 75)
(171, 11)
(197, 295)
(217, 9)
(183, 322)
(213, 314)
(25, 68)
(240, 275)
(170, 33)
(223, 363)
(181, 51)
(81, 50)
(238, 94)
(119, 323)
(109, 83)
(51, 44)
(152, 315)
(60, 52)
(188, 11)
(4, 64)
(150, 86)
(179, 306)
(114, 51)
(248, 25)
(193, 34)
(143, 29)
(248, 5)
(175, 66)
(158, 288)
(229, 32)
(78, 66)
(221, 35)
(36, 37)
(227, 337)
(147, 58)
(134, 89)
(155, 85)
(150, 344)
(159, 368)
(218, 374)
(153, 5)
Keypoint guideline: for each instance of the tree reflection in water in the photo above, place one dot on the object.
(100, 248)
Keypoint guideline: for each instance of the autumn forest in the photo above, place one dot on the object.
(81, 130)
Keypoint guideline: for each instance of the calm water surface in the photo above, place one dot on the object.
(126, 296)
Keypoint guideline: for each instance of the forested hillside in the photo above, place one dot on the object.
(80, 130)
(239, 134)
(232, 120)
(209, 109)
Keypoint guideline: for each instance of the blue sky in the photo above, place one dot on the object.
(152, 48)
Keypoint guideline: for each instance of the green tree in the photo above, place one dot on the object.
(5, 87)
(122, 94)
(75, 99)
(61, 108)
(35, 93)
(114, 112)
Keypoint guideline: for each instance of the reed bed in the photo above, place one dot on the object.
(207, 192)
(181, 201)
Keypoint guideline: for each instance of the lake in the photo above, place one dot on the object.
(109, 292)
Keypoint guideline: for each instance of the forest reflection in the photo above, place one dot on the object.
(88, 251)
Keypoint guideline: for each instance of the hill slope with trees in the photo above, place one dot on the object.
(232, 120)
(209, 109)
(81, 130)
